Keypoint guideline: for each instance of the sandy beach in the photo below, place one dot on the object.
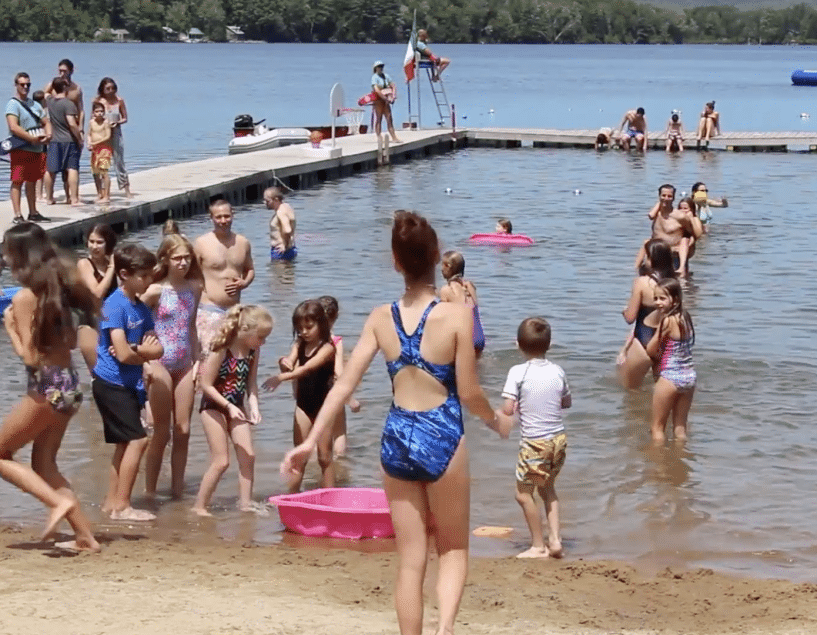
(143, 584)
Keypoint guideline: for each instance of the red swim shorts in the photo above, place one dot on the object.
(26, 167)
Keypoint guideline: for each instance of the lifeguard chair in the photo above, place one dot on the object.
(437, 91)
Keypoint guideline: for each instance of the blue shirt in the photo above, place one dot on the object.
(381, 82)
(422, 48)
(133, 317)
(27, 122)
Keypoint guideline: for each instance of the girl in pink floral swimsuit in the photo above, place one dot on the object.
(174, 298)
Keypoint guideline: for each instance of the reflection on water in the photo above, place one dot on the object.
(736, 497)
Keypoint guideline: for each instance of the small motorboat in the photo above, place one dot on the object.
(250, 136)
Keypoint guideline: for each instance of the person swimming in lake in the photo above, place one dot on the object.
(504, 226)
(700, 196)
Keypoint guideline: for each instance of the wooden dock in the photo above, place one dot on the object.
(729, 141)
(185, 189)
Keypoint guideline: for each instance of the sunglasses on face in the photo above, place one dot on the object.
(24, 84)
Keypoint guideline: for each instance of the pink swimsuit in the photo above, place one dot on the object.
(174, 319)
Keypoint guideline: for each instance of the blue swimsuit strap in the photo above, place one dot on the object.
(410, 348)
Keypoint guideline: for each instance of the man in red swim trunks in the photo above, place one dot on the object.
(30, 127)
(440, 63)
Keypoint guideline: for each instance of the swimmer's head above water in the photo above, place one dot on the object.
(504, 226)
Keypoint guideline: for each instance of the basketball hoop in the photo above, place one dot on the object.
(353, 117)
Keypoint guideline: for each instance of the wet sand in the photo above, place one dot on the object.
(178, 584)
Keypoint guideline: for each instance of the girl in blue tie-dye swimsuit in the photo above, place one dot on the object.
(430, 357)
(174, 299)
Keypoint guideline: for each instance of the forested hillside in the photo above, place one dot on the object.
(488, 21)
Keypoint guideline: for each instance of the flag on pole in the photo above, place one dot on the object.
(408, 61)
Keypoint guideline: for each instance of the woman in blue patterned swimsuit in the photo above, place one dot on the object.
(174, 298)
(430, 357)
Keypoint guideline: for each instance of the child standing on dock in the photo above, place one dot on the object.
(312, 363)
(99, 143)
(539, 391)
(229, 373)
(126, 342)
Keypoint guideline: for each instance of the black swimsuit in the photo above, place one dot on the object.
(312, 388)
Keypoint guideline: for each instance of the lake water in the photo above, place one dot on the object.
(738, 496)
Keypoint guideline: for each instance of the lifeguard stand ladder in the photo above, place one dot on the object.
(437, 90)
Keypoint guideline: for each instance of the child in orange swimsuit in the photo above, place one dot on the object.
(99, 143)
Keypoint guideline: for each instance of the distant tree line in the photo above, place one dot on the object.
(483, 21)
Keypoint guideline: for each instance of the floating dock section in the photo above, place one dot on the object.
(186, 189)
(729, 141)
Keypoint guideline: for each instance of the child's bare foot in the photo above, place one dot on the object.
(254, 507)
(55, 517)
(535, 552)
(680, 434)
(50, 201)
(200, 511)
(77, 204)
(79, 545)
(129, 513)
(98, 199)
(555, 548)
(105, 200)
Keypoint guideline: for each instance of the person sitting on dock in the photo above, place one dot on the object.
(386, 92)
(675, 133)
(709, 124)
(636, 124)
(440, 63)
(281, 225)
(226, 262)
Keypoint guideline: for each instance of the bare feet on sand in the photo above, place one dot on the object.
(200, 511)
(535, 552)
(55, 517)
(555, 548)
(78, 546)
(129, 513)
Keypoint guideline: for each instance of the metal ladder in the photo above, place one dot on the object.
(438, 90)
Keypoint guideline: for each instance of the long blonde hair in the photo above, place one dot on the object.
(241, 317)
(171, 243)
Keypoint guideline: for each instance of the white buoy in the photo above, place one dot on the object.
(465, 116)
(683, 194)
(577, 192)
(491, 111)
(804, 115)
(448, 190)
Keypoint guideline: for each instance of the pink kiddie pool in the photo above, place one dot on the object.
(348, 512)
(511, 240)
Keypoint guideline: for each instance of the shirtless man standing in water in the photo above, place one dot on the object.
(226, 262)
(670, 225)
(281, 225)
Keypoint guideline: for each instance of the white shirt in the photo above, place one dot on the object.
(538, 386)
